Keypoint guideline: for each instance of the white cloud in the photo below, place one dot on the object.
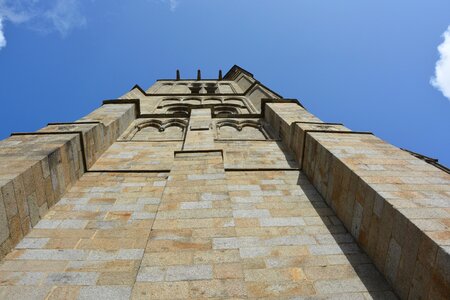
(42, 15)
(441, 79)
(2, 35)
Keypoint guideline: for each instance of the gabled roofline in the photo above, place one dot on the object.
(236, 70)
(255, 83)
(136, 86)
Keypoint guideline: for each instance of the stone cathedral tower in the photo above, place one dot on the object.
(218, 188)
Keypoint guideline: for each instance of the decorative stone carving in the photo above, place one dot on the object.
(241, 129)
(139, 132)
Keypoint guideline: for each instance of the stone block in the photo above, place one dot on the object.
(383, 239)
(104, 292)
(28, 181)
(39, 184)
(298, 132)
(5, 247)
(357, 219)
(64, 292)
(72, 278)
(9, 200)
(49, 194)
(392, 261)
(52, 254)
(32, 243)
(427, 251)
(281, 222)
(4, 226)
(161, 290)
(33, 209)
(348, 207)
(54, 159)
(19, 191)
(197, 272)
(45, 167)
(440, 282)
(408, 261)
(26, 225)
(337, 286)
(24, 292)
(15, 229)
(420, 285)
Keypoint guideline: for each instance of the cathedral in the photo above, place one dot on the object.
(218, 188)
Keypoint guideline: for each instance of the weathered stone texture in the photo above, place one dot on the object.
(256, 155)
(138, 156)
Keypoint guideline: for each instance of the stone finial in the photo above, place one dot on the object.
(199, 75)
(178, 74)
(220, 75)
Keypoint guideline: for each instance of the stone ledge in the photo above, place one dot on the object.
(298, 132)
(201, 152)
(92, 136)
(135, 102)
(282, 114)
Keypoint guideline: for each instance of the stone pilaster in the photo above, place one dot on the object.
(199, 135)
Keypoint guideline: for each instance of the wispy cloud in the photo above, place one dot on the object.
(173, 4)
(42, 15)
(65, 15)
(2, 36)
(441, 79)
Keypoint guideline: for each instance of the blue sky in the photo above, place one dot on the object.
(367, 64)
